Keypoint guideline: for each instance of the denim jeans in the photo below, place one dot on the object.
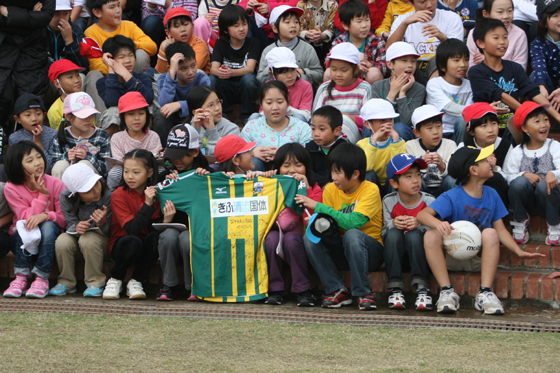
(260, 165)
(458, 134)
(529, 200)
(242, 92)
(383, 189)
(397, 243)
(153, 27)
(404, 131)
(447, 183)
(45, 257)
(359, 253)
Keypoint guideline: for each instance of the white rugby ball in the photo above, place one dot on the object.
(465, 240)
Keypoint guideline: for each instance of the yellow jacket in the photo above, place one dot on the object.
(379, 156)
(395, 8)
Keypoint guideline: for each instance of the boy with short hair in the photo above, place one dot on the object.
(432, 148)
(481, 205)
(64, 36)
(401, 89)
(284, 21)
(402, 233)
(179, 27)
(355, 18)
(65, 75)
(326, 129)
(354, 205)
(451, 92)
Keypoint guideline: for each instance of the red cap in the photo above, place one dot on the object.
(62, 66)
(525, 109)
(90, 48)
(132, 101)
(477, 111)
(231, 145)
(175, 12)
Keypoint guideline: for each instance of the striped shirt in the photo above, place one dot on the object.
(346, 99)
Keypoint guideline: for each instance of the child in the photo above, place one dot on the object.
(174, 86)
(346, 91)
(274, 128)
(183, 150)
(135, 133)
(65, 75)
(292, 160)
(207, 119)
(402, 233)
(481, 205)
(401, 89)
(234, 62)
(451, 92)
(384, 143)
(154, 12)
(482, 131)
(65, 36)
(317, 24)
(376, 9)
(433, 148)
(118, 55)
(466, 9)
(133, 240)
(425, 29)
(355, 205)
(394, 9)
(235, 157)
(355, 18)
(86, 206)
(326, 129)
(29, 111)
(517, 49)
(532, 170)
(211, 10)
(79, 15)
(81, 141)
(179, 28)
(34, 199)
(284, 21)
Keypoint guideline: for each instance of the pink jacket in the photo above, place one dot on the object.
(25, 203)
(271, 5)
(289, 220)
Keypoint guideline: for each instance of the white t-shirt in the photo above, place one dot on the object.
(449, 23)
(447, 98)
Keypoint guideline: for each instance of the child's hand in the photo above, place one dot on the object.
(37, 134)
(39, 184)
(499, 110)
(444, 228)
(411, 222)
(269, 173)
(551, 181)
(37, 7)
(72, 155)
(168, 211)
(543, 90)
(406, 87)
(121, 71)
(263, 8)
(421, 16)
(173, 175)
(224, 72)
(554, 99)
(229, 174)
(432, 31)
(263, 153)
(150, 195)
(427, 157)
(300, 177)
(168, 40)
(533, 178)
(65, 30)
(252, 174)
(554, 275)
(170, 108)
(203, 117)
(82, 227)
(492, 160)
(400, 222)
(174, 64)
(478, 58)
(314, 35)
(80, 153)
(202, 171)
(107, 59)
(305, 201)
(99, 216)
(210, 17)
(397, 84)
(251, 4)
(35, 220)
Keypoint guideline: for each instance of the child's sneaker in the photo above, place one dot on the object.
(553, 236)
(424, 300)
(338, 298)
(93, 292)
(38, 289)
(61, 289)
(113, 289)
(134, 290)
(17, 287)
(274, 298)
(488, 302)
(194, 298)
(396, 300)
(305, 299)
(520, 231)
(166, 293)
(367, 302)
(448, 301)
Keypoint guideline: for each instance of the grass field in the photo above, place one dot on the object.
(82, 343)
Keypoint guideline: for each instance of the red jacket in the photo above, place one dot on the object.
(376, 9)
(273, 4)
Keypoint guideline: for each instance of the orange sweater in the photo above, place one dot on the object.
(126, 28)
(200, 49)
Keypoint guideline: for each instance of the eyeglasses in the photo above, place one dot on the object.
(216, 103)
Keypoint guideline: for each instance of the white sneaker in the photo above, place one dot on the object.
(134, 290)
(423, 300)
(553, 236)
(520, 231)
(448, 301)
(489, 303)
(113, 289)
(397, 301)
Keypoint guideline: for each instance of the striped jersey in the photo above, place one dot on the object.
(229, 219)
(346, 99)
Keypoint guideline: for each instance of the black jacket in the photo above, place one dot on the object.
(59, 50)
(319, 161)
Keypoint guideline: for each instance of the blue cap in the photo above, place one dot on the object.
(400, 163)
(313, 238)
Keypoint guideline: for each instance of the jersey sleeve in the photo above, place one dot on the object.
(443, 206)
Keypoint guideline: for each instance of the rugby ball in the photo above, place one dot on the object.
(464, 242)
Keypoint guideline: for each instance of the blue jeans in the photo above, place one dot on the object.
(359, 253)
(242, 92)
(529, 200)
(397, 243)
(153, 27)
(45, 257)
(447, 183)
(260, 165)
(82, 23)
(383, 189)
(458, 135)
(404, 131)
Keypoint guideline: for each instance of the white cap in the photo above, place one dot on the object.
(400, 49)
(280, 57)
(80, 104)
(279, 10)
(345, 52)
(62, 5)
(424, 112)
(378, 108)
(79, 178)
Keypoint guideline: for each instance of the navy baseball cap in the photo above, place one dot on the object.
(400, 163)
(323, 227)
(28, 101)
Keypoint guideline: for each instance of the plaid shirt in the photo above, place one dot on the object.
(374, 50)
(99, 138)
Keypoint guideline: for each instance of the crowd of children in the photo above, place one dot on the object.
(396, 118)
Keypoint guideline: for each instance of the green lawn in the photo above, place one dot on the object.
(79, 343)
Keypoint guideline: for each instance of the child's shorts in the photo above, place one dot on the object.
(467, 265)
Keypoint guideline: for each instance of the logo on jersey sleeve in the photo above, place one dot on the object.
(221, 190)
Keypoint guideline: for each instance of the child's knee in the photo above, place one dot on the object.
(433, 240)
(374, 75)
(490, 237)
